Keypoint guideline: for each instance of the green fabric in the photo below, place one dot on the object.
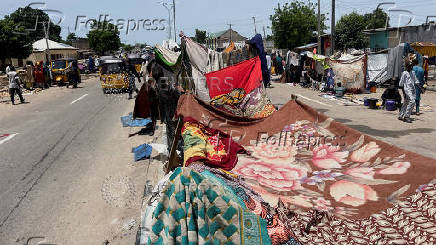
(198, 211)
(165, 63)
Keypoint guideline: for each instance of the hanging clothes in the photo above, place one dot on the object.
(257, 42)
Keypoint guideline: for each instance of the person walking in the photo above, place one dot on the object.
(407, 82)
(14, 84)
(420, 75)
(132, 73)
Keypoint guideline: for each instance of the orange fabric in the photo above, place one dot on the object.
(230, 48)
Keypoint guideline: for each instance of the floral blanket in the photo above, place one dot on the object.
(195, 210)
(308, 161)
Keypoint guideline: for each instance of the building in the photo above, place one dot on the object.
(385, 38)
(84, 49)
(57, 51)
(220, 39)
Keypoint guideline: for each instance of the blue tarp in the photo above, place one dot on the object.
(142, 152)
(128, 121)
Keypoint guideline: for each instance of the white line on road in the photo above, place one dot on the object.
(319, 102)
(9, 137)
(81, 97)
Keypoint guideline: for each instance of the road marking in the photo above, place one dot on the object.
(6, 137)
(319, 102)
(81, 97)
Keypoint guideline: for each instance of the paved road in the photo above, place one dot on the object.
(64, 149)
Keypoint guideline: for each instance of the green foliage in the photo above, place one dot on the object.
(294, 24)
(127, 47)
(349, 29)
(29, 18)
(200, 36)
(349, 32)
(13, 45)
(377, 19)
(71, 38)
(104, 37)
(23, 27)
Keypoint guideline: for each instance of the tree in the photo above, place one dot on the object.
(377, 19)
(127, 47)
(294, 24)
(32, 20)
(104, 37)
(13, 45)
(349, 29)
(200, 36)
(71, 38)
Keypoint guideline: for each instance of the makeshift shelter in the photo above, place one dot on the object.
(350, 71)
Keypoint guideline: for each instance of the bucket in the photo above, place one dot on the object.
(391, 105)
(365, 102)
(373, 87)
(373, 103)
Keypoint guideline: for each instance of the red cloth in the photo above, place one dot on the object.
(246, 75)
(217, 149)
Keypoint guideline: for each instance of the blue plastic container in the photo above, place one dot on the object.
(391, 105)
(365, 102)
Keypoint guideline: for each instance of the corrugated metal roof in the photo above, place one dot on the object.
(41, 45)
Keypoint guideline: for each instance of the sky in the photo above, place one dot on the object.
(212, 16)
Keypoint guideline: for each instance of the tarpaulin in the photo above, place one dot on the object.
(378, 67)
(426, 49)
(246, 75)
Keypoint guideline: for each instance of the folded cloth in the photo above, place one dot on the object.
(142, 152)
(128, 121)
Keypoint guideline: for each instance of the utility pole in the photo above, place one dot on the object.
(230, 32)
(174, 19)
(46, 32)
(264, 33)
(254, 22)
(319, 27)
(169, 20)
(333, 28)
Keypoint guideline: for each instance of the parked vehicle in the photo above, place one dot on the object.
(59, 70)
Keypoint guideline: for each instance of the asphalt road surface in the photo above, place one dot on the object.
(65, 168)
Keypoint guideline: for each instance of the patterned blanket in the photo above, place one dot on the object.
(194, 210)
(301, 160)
